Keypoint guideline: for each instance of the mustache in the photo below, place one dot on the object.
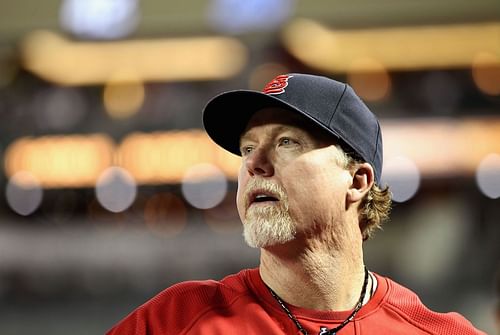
(267, 186)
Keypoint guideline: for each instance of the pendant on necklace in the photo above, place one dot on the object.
(325, 331)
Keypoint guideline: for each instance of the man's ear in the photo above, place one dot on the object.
(363, 178)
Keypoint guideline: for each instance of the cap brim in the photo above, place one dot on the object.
(226, 116)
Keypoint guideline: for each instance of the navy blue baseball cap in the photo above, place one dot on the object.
(330, 104)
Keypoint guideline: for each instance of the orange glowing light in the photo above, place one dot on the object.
(164, 157)
(60, 161)
(369, 79)
(55, 58)
(397, 48)
(123, 97)
(486, 72)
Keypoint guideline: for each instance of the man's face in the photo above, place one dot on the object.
(291, 181)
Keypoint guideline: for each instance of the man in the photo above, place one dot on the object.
(308, 196)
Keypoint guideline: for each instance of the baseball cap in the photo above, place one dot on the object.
(328, 103)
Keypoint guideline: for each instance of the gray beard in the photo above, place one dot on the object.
(268, 226)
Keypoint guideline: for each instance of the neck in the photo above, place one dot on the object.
(314, 277)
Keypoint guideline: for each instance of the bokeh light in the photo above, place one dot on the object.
(107, 19)
(488, 176)
(164, 157)
(204, 185)
(332, 49)
(61, 161)
(165, 214)
(64, 61)
(486, 72)
(234, 16)
(369, 78)
(123, 98)
(24, 193)
(116, 189)
(403, 177)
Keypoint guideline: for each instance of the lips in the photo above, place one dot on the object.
(261, 196)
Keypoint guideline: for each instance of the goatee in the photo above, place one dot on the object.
(265, 226)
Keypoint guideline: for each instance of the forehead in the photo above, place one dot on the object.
(283, 117)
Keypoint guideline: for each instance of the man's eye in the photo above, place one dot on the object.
(246, 150)
(286, 141)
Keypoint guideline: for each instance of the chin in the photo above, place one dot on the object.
(268, 233)
(264, 242)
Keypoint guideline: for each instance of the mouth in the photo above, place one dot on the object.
(262, 197)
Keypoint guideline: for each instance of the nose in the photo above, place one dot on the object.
(259, 163)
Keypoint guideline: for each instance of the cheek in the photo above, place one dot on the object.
(242, 180)
(240, 202)
(314, 189)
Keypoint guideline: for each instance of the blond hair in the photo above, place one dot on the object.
(375, 206)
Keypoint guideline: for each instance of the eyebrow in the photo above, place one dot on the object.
(247, 136)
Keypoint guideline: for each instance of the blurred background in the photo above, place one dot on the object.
(111, 191)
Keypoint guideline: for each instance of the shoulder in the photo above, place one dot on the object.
(204, 291)
(408, 305)
(181, 304)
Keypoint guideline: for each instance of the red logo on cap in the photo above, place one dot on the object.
(277, 85)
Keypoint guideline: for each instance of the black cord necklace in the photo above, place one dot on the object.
(333, 331)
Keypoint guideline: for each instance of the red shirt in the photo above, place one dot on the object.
(241, 304)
